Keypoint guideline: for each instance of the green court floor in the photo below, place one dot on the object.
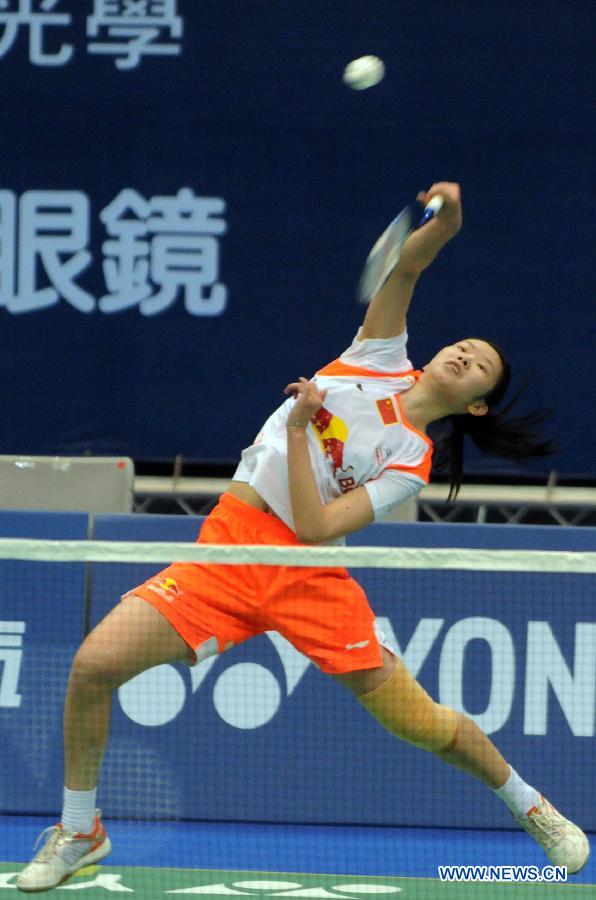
(151, 884)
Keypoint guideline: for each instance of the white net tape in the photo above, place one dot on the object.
(562, 561)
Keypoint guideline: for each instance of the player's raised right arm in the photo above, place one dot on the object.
(386, 314)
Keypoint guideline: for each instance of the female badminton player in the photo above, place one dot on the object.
(344, 449)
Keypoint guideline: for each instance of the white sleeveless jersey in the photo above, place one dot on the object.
(359, 437)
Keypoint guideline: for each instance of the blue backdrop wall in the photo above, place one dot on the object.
(188, 192)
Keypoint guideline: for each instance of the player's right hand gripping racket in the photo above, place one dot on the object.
(384, 256)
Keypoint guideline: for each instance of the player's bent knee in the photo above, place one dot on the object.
(404, 708)
(93, 671)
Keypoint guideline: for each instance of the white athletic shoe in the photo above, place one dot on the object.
(63, 854)
(564, 843)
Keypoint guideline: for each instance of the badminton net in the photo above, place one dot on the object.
(258, 734)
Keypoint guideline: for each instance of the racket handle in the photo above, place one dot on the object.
(431, 209)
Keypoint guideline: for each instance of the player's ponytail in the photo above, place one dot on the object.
(494, 433)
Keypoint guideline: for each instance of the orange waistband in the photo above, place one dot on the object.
(267, 523)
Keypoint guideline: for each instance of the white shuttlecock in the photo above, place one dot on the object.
(364, 72)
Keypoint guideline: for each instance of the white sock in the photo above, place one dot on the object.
(78, 810)
(519, 796)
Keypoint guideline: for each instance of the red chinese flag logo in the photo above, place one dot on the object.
(387, 411)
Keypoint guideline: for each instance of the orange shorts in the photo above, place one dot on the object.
(323, 612)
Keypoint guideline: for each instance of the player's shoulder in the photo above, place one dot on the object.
(375, 357)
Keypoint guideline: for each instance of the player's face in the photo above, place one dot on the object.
(465, 372)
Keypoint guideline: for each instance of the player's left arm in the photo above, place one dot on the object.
(386, 314)
(314, 521)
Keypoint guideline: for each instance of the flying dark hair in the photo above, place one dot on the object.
(493, 433)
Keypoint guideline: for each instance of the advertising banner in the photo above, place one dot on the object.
(189, 190)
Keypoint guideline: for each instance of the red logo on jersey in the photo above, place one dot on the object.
(332, 433)
(387, 411)
(347, 483)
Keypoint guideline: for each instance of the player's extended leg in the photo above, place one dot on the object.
(133, 637)
(394, 697)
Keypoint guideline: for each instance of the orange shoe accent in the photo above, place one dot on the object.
(98, 831)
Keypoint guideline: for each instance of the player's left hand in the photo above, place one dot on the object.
(309, 400)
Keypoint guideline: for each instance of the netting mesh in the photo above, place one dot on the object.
(258, 735)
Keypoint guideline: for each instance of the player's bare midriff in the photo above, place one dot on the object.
(247, 494)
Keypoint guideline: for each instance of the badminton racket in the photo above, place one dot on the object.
(384, 256)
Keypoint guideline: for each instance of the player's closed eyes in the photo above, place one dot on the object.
(482, 367)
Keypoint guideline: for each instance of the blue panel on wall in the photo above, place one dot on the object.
(145, 527)
(40, 524)
(456, 534)
(259, 734)
(41, 625)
